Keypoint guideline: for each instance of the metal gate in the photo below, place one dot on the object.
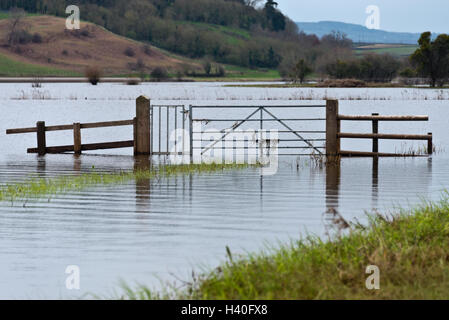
(298, 132)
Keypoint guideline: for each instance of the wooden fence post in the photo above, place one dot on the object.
(375, 131)
(430, 144)
(332, 128)
(142, 131)
(77, 138)
(135, 134)
(41, 143)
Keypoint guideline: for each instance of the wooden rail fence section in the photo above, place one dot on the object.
(140, 142)
(334, 135)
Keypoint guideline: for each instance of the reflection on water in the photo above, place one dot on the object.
(332, 184)
(147, 229)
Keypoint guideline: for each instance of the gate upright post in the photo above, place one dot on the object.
(41, 143)
(429, 144)
(191, 133)
(77, 138)
(332, 128)
(142, 134)
(375, 131)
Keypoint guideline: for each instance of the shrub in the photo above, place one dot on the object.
(132, 82)
(37, 38)
(159, 74)
(130, 52)
(296, 71)
(146, 49)
(408, 73)
(221, 71)
(85, 33)
(93, 74)
(22, 37)
(207, 66)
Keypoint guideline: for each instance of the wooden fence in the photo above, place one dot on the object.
(334, 135)
(140, 142)
(142, 132)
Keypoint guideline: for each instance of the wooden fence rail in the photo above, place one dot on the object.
(333, 134)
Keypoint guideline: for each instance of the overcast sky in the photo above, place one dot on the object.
(395, 15)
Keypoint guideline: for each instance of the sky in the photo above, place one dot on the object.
(395, 15)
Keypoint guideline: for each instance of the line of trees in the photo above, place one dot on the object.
(371, 68)
(430, 61)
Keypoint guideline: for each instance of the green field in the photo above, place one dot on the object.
(11, 68)
(235, 72)
(5, 15)
(399, 50)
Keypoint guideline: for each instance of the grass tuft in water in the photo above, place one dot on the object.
(43, 187)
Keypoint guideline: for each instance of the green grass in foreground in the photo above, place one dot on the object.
(40, 187)
(411, 250)
(12, 68)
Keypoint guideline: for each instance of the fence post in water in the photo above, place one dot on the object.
(429, 144)
(375, 131)
(135, 134)
(332, 128)
(142, 131)
(77, 138)
(41, 144)
(191, 133)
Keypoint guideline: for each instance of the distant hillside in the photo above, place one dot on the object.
(358, 33)
(239, 33)
(61, 49)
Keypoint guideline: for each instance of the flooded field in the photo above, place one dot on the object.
(147, 231)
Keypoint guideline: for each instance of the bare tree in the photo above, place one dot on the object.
(15, 24)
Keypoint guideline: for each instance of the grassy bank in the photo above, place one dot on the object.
(43, 187)
(13, 68)
(411, 250)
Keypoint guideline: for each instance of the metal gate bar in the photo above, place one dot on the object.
(261, 120)
(162, 125)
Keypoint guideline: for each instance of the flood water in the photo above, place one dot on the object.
(148, 231)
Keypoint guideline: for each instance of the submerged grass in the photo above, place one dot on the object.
(42, 187)
(410, 248)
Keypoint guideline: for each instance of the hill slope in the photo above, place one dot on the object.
(358, 33)
(74, 50)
